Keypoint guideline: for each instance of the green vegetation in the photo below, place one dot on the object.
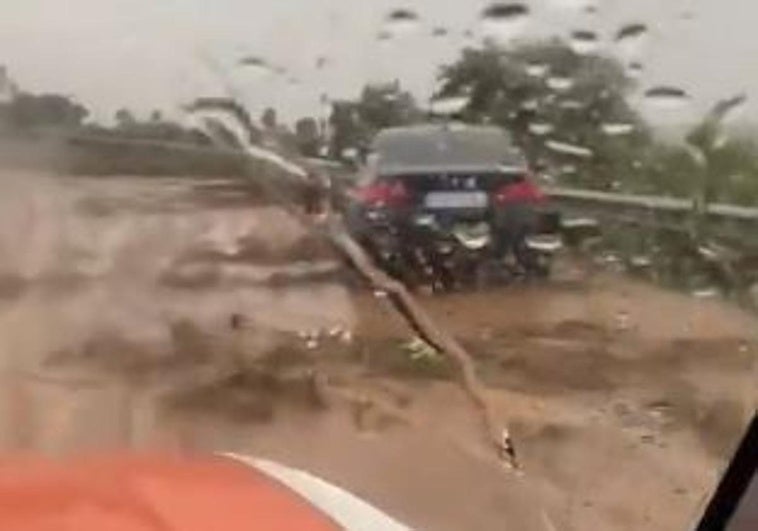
(544, 93)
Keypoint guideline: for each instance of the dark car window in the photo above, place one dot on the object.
(445, 148)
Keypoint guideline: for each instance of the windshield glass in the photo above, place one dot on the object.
(208, 244)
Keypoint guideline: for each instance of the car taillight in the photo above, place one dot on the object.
(522, 191)
(383, 194)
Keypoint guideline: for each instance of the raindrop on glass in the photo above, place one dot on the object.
(559, 83)
(255, 65)
(536, 69)
(584, 42)
(402, 21)
(631, 38)
(529, 105)
(565, 148)
(383, 36)
(540, 128)
(631, 31)
(448, 105)
(321, 62)
(503, 22)
(666, 97)
(439, 32)
(567, 169)
(617, 129)
(570, 105)
(635, 69)
(728, 108)
(574, 4)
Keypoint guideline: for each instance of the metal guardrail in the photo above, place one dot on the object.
(730, 222)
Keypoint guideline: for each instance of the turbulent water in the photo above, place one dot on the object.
(113, 266)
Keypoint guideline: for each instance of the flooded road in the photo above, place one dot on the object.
(188, 314)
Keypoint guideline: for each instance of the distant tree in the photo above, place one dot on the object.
(308, 137)
(45, 110)
(386, 105)
(354, 123)
(268, 119)
(545, 91)
(125, 119)
(347, 129)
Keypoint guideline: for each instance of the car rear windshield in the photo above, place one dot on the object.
(425, 149)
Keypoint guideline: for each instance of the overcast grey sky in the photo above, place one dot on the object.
(147, 54)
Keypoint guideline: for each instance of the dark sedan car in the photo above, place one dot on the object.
(444, 202)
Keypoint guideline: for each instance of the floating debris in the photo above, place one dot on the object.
(420, 350)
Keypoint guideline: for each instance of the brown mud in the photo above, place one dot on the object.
(185, 314)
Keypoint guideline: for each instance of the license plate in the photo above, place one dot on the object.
(456, 200)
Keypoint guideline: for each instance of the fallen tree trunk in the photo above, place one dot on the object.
(422, 323)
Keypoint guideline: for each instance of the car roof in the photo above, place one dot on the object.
(446, 147)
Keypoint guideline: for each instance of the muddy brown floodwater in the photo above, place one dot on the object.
(187, 314)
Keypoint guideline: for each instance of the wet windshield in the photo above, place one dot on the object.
(476, 263)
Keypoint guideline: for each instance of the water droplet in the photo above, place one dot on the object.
(559, 83)
(635, 69)
(439, 32)
(503, 22)
(448, 105)
(349, 153)
(617, 129)
(584, 42)
(321, 62)
(573, 4)
(727, 109)
(632, 38)
(529, 105)
(568, 149)
(255, 65)
(567, 169)
(571, 105)
(666, 97)
(536, 69)
(540, 128)
(383, 36)
(631, 31)
(402, 21)
(468, 34)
